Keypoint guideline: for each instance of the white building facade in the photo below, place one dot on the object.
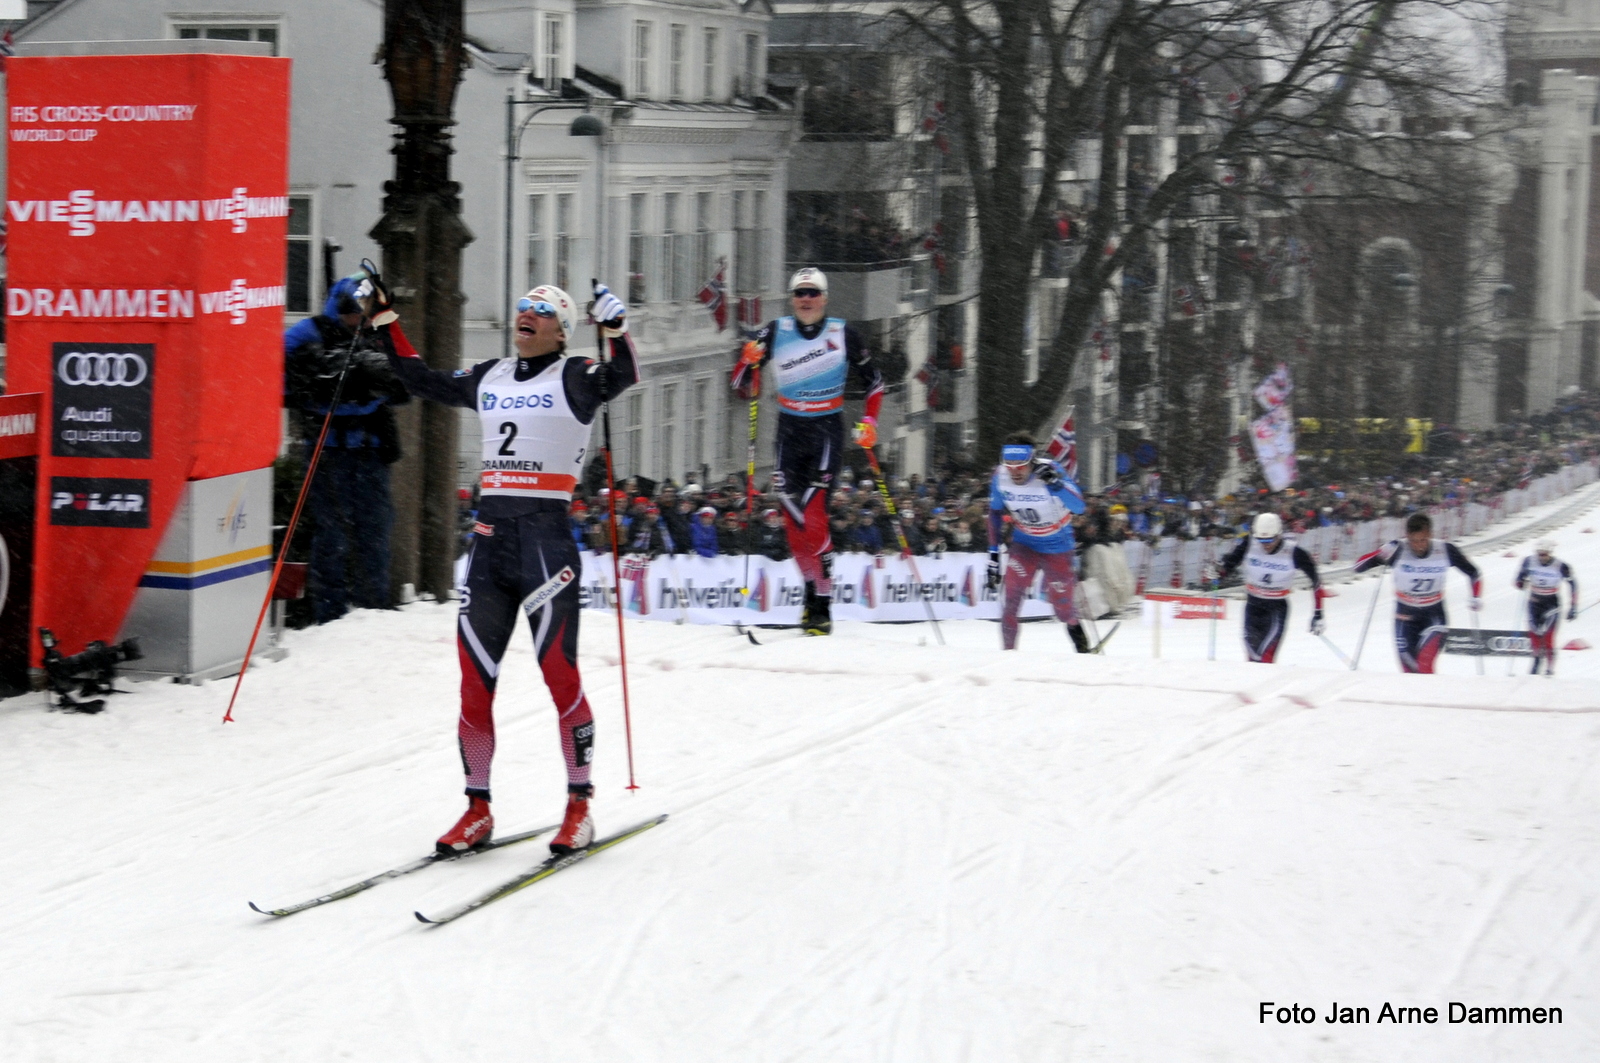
(688, 179)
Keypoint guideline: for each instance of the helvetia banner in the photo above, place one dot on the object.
(146, 211)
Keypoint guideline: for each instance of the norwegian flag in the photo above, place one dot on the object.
(715, 296)
(750, 311)
(1186, 300)
(8, 48)
(1063, 446)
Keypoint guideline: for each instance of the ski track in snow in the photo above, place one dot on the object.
(880, 850)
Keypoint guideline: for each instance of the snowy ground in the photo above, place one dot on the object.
(880, 849)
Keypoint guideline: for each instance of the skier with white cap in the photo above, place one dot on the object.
(812, 353)
(1270, 562)
(536, 410)
(1542, 574)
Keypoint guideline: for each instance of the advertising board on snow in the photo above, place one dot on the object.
(146, 204)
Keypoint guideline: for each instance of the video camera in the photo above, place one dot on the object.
(91, 671)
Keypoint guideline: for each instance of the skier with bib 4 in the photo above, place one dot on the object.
(1042, 500)
(812, 354)
(1542, 574)
(1270, 561)
(536, 410)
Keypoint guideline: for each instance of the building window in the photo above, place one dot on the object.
(550, 239)
(708, 66)
(564, 240)
(554, 41)
(538, 240)
(749, 219)
(223, 31)
(637, 250)
(668, 454)
(641, 60)
(697, 426)
(297, 299)
(702, 238)
(675, 247)
(675, 61)
(752, 64)
(633, 431)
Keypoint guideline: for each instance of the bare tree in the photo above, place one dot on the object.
(1030, 82)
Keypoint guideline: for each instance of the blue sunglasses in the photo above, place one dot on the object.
(538, 306)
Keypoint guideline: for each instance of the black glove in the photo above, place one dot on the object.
(1048, 474)
(991, 580)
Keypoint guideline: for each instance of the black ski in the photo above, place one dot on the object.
(747, 633)
(1102, 643)
(404, 869)
(536, 874)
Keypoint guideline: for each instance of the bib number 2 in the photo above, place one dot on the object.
(509, 430)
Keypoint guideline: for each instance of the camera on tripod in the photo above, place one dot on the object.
(90, 672)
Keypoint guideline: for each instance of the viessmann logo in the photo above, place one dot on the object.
(82, 210)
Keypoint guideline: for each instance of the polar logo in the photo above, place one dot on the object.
(99, 502)
(95, 370)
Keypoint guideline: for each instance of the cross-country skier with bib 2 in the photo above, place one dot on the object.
(1270, 561)
(1420, 563)
(812, 354)
(536, 411)
(1543, 573)
(1042, 500)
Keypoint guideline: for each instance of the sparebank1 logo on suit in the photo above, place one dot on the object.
(101, 395)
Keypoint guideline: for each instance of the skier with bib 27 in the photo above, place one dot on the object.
(536, 411)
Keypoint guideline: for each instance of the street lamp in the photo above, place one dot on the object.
(584, 125)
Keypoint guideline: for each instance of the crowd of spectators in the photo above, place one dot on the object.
(948, 512)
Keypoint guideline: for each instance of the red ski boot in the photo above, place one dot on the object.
(474, 828)
(577, 829)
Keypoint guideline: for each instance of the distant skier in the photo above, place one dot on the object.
(536, 411)
(812, 353)
(1270, 562)
(1543, 574)
(1042, 500)
(1420, 564)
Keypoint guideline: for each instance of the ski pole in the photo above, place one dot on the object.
(1337, 652)
(294, 520)
(1371, 608)
(749, 495)
(616, 555)
(900, 533)
(1477, 637)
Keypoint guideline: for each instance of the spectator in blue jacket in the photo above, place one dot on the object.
(349, 504)
(703, 532)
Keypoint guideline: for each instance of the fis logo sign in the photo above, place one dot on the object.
(967, 588)
(758, 593)
(99, 502)
(869, 594)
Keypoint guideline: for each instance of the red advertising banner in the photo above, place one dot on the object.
(147, 206)
(1189, 607)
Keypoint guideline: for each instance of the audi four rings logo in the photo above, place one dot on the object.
(80, 369)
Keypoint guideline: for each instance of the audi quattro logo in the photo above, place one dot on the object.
(102, 369)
